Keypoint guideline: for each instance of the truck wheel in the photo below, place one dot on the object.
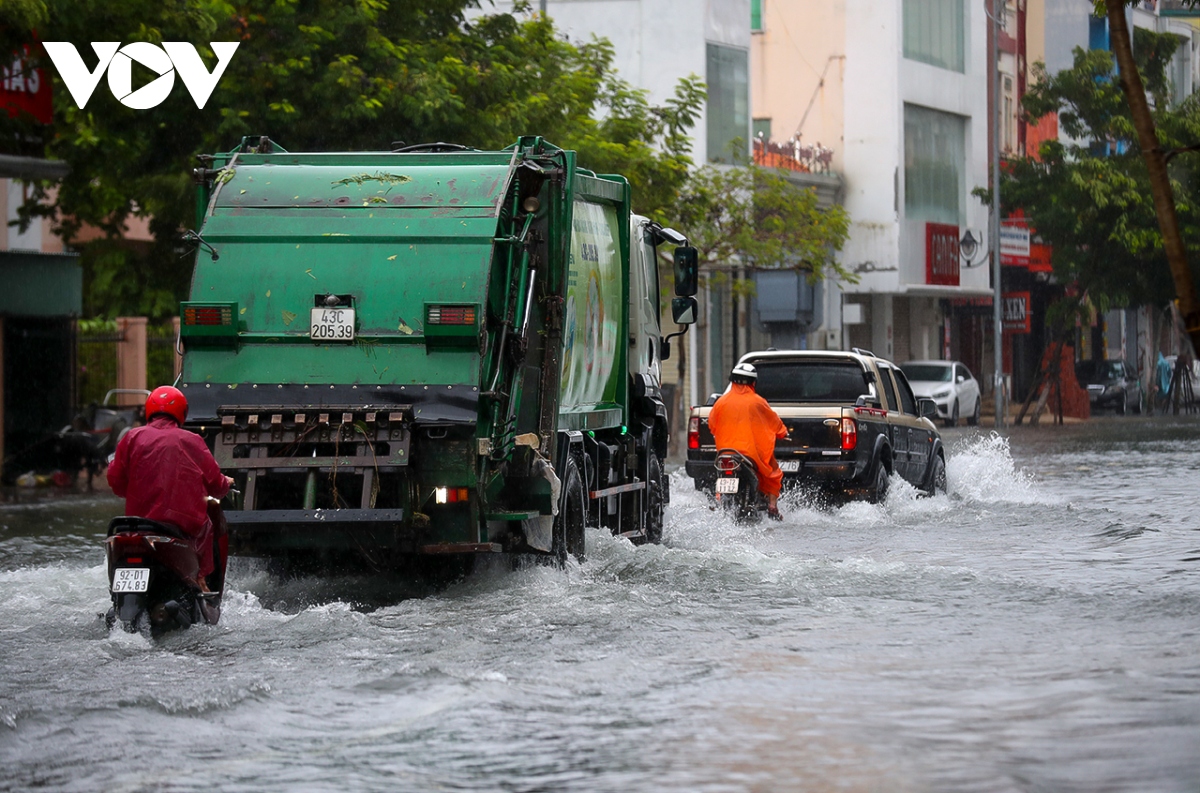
(878, 492)
(937, 478)
(568, 526)
(655, 501)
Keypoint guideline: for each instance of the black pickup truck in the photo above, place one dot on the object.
(853, 420)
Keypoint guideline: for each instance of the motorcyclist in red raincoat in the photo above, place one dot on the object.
(165, 473)
(742, 420)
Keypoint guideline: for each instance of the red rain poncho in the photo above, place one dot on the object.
(164, 473)
(744, 421)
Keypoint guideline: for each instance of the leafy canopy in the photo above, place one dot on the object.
(1087, 194)
(323, 75)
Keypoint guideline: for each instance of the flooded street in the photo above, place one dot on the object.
(1036, 630)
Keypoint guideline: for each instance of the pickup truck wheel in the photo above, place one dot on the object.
(937, 478)
(878, 492)
(568, 526)
(655, 501)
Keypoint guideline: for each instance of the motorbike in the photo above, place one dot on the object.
(736, 486)
(154, 575)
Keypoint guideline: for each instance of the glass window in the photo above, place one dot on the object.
(908, 402)
(756, 15)
(934, 155)
(927, 372)
(817, 381)
(885, 374)
(933, 32)
(728, 78)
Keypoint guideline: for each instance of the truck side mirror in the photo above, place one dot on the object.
(684, 310)
(686, 271)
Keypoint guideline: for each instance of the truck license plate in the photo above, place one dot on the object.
(789, 466)
(727, 484)
(131, 579)
(332, 324)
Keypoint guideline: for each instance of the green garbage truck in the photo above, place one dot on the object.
(430, 350)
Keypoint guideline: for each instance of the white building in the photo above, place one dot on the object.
(898, 89)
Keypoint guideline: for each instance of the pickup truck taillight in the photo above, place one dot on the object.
(694, 432)
(849, 434)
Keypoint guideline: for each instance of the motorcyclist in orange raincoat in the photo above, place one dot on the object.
(742, 420)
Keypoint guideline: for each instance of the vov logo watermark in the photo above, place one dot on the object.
(165, 61)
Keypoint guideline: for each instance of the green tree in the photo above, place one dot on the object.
(324, 75)
(754, 216)
(1088, 195)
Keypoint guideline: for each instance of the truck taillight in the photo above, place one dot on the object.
(208, 323)
(849, 434)
(451, 315)
(450, 495)
(208, 315)
(694, 432)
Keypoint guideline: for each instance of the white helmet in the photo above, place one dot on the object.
(745, 371)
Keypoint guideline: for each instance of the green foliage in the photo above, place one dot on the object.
(758, 217)
(325, 75)
(1088, 194)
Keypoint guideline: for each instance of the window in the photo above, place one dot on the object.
(908, 403)
(885, 374)
(762, 129)
(756, 15)
(927, 373)
(728, 80)
(933, 32)
(788, 381)
(934, 155)
(1010, 116)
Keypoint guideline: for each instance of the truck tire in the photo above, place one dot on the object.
(878, 492)
(572, 514)
(655, 500)
(937, 478)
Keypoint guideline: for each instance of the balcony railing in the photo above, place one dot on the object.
(793, 155)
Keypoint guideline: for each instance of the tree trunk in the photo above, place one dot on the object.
(1160, 184)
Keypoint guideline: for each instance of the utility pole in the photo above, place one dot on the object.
(997, 314)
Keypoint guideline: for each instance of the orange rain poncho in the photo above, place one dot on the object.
(744, 421)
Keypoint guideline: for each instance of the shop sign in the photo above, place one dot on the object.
(941, 254)
(1014, 243)
(1015, 312)
(25, 89)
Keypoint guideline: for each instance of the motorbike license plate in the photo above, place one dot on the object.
(332, 324)
(789, 466)
(131, 579)
(727, 484)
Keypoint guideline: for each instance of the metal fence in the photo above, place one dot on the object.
(160, 355)
(96, 346)
(95, 362)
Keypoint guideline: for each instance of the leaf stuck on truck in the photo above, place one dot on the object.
(430, 351)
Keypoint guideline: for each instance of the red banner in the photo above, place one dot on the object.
(1015, 312)
(24, 89)
(941, 254)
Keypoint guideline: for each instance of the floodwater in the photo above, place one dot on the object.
(1036, 630)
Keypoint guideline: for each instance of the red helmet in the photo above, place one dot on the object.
(167, 399)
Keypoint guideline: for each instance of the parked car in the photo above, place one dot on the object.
(1110, 384)
(950, 385)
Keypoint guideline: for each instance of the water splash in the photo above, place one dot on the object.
(981, 468)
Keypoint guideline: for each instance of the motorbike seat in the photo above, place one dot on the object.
(144, 525)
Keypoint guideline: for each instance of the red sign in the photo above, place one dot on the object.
(1039, 258)
(25, 89)
(941, 254)
(1015, 312)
